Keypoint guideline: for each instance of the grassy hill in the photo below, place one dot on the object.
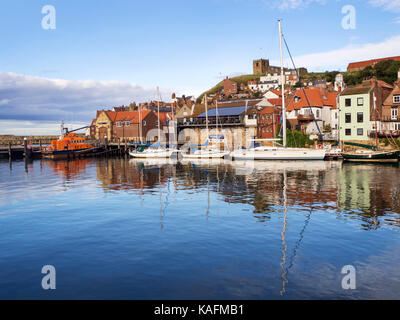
(240, 79)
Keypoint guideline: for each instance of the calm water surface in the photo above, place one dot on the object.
(129, 229)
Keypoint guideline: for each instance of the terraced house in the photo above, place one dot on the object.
(360, 110)
(391, 112)
(315, 107)
(124, 125)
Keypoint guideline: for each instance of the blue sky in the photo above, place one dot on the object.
(122, 50)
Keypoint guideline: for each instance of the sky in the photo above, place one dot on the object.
(101, 53)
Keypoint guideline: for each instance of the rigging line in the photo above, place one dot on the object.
(291, 261)
(167, 197)
(301, 87)
(284, 244)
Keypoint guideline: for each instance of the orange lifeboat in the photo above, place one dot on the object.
(68, 146)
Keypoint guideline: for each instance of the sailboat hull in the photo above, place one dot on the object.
(391, 156)
(154, 154)
(205, 155)
(279, 154)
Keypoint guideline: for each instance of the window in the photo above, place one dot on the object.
(395, 113)
(144, 122)
(360, 117)
(317, 113)
(118, 124)
(348, 117)
(127, 123)
(348, 132)
(360, 131)
(348, 102)
(335, 115)
(396, 98)
(360, 101)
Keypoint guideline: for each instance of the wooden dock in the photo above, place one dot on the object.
(33, 151)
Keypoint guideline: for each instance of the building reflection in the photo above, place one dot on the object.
(69, 169)
(345, 190)
(370, 192)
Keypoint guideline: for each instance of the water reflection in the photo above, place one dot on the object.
(370, 192)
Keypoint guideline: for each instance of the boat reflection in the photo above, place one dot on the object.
(70, 169)
(370, 192)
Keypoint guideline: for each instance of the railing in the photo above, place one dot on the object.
(305, 117)
(227, 120)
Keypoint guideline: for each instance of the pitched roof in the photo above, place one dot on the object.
(164, 117)
(278, 93)
(389, 99)
(269, 110)
(366, 63)
(356, 90)
(314, 96)
(276, 101)
(132, 116)
(331, 99)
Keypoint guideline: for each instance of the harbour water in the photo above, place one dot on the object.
(134, 229)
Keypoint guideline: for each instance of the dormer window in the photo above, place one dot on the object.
(396, 98)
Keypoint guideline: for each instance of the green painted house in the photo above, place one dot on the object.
(355, 113)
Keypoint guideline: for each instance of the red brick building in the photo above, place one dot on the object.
(357, 66)
(124, 125)
(268, 119)
(230, 87)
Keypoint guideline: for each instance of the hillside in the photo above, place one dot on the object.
(240, 79)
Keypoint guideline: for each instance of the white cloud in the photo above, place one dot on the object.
(386, 4)
(294, 4)
(340, 58)
(36, 128)
(28, 98)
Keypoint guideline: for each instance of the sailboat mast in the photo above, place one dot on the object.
(158, 114)
(376, 123)
(206, 117)
(140, 124)
(283, 87)
(216, 114)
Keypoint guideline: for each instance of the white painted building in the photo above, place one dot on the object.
(273, 81)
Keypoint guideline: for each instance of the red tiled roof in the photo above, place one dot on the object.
(314, 97)
(269, 110)
(278, 93)
(132, 116)
(363, 64)
(164, 117)
(276, 101)
(331, 99)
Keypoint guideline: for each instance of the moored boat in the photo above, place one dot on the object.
(371, 156)
(67, 146)
(278, 153)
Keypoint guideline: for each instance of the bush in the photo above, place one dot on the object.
(296, 139)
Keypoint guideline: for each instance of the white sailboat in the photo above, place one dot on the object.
(279, 153)
(156, 151)
(207, 151)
